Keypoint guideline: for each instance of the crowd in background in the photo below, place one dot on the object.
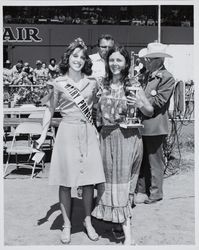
(17, 78)
(114, 15)
(23, 74)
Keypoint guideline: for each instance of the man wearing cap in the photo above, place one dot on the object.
(29, 71)
(158, 84)
(18, 73)
(39, 73)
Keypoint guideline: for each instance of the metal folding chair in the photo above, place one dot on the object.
(25, 147)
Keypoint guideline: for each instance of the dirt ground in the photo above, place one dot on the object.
(32, 215)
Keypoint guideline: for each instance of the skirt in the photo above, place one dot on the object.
(122, 152)
(76, 159)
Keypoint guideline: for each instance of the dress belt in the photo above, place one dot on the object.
(83, 144)
(73, 120)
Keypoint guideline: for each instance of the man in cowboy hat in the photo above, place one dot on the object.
(158, 85)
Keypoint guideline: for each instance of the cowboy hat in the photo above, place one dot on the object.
(153, 50)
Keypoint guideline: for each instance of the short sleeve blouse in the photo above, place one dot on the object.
(112, 106)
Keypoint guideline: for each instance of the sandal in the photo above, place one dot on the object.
(65, 235)
(92, 235)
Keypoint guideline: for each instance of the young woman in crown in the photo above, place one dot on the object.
(76, 159)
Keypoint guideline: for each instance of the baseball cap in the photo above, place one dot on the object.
(7, 62)
(38, 62)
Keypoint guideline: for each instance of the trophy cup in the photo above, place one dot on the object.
(132, 120)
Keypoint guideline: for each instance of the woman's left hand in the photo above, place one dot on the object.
(131, 99)
(135, 99)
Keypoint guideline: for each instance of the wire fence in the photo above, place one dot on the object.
(172, 146)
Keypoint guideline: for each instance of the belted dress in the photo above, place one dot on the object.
(76, 159)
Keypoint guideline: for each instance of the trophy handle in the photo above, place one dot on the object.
(131, 70)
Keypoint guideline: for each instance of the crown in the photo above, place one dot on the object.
(78, 41)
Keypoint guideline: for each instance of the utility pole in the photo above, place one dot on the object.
(159, 23)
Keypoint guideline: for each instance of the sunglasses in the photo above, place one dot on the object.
(149, 59)
(104, 47)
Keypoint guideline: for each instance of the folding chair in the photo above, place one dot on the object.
(18, 147)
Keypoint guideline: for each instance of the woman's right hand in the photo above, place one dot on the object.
(39, 142)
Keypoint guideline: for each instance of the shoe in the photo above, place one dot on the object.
(151, 201)
(131, 196)
(65, 235)
(92, 235)
(118, 234)
(140, 198)
(79, 192)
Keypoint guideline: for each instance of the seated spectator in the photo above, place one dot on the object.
(62, 18)
(77, 20)
(39, 73)
(53, 70)
(45, 68)
(8, 18)
(14, 69)
(7, 79)
(19, 76)
(29, 70)
(94, 20)
(55, 18)
(69, 19)
(7, 73)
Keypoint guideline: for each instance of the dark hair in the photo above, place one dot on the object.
(126, 55)
(106, 37)
(64, 63)
(20, 61)
(52, 59)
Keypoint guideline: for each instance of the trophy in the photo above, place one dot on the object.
(132, 120)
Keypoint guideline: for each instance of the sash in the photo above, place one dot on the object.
(79, 101)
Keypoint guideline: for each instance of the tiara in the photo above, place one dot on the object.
(78, 41)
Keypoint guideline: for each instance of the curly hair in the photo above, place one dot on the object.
(64, 63)
(125, 71)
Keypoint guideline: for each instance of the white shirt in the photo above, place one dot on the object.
(98, 67)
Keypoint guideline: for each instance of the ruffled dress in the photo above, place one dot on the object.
(121, 151)
(76, 159)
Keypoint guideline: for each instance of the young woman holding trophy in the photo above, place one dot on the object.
(121, 145)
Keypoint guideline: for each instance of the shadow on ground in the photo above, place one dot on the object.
(104, 229)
